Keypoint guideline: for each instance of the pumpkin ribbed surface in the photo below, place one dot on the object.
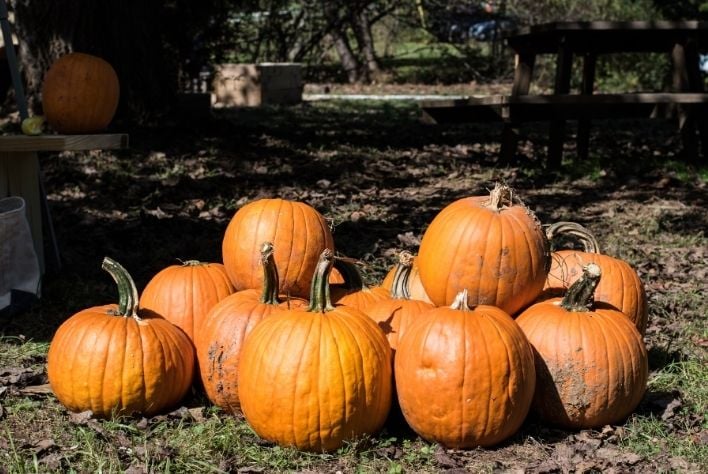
(591, 363)
(106, 363)
(297, 231)
(465, 378)
(184, 294)
(494, 249)
(592, 367)
(80, 94)
(317, 378)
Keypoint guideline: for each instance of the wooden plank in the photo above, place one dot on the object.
(24, 143)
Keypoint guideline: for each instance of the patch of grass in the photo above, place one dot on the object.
(650, 435)
(16, 350)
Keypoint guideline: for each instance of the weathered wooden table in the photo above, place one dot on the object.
(681, 40)
(19, 170)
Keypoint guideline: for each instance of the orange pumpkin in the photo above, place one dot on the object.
(352, 291)
(591, 364)
(298, 233)
(394, 315)
(415, 289)
(317, 378)
(110, 360)
(183, 294)
(493, 246)
(620, 285)
(465, 377)
(225, 328)
(80, 93)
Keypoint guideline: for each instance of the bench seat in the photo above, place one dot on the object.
(531, 108)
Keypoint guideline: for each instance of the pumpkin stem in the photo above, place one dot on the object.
(127, 291)
(572, 229)
(401, 277)
(269, 295)
(460, 301)
(190, 263)
(500, 197)
(320, 301)
(580, 296)
(350, 273)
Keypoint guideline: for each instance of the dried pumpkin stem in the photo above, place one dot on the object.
(460, 301)
(191, 263)
(575, 230)
(580, 296)
(401, 277)
(127, 291)
(500, 197)
(320, 300)
(271, 282)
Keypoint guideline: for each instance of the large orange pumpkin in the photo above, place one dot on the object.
(110, 360)
(620, 285)
(298, 233)
(591, 364)
(317, 378)
(493, 246)
(80, 93)
(183, 294)
(394, 315)
(226, 326)
(465, 377)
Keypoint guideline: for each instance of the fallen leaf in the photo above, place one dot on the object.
(671, 408)
(81, 418)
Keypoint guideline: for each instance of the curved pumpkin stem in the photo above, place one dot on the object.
(580, 233)
(580, 296)
(399, 287)
(191, 263)
(350, 273)
(320, 300)
(269, 295)
(460, 301)
(127, 291)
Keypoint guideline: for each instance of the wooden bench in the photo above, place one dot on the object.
(529, 108)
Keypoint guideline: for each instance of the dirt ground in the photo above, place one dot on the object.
(380, 175)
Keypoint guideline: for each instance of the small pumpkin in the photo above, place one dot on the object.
(226, 326)
(394, 315)
(620, 285)
(298, 233)
(314, 379)
(591, 364)
(465, 377)
(493, 246)
(415, 289)
(80, 93)
(184, 294)
(111, 360)
(352, 291)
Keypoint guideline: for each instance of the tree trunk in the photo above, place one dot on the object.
(365, 40)
(338, 34)
(123, 32)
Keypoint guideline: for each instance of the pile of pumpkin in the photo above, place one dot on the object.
(484, 325)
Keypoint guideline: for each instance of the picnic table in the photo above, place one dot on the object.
(20, 173)
(682, 41)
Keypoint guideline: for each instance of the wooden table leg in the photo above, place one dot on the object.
(589, 61)
(562, 86)
(523, 73)
(19, 176)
